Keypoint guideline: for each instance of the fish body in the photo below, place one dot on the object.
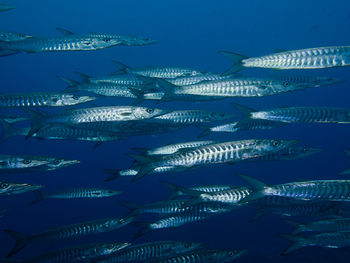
(20, 163)
(231, 196)
(12, 36)
(8, 188)
(80, 253)
(191, 116)
(185, 81)
(43, 99)
(328, 225)
(147, 251)
(326, 240)
(74, 231)
(206, 256)
(312, 58)
(244, 87)
(309, 81)
(131, 80)
(316, 190)
(304, 114)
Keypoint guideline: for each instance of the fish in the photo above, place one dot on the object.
(237, 87)
(204, 256)
(74, 231)
(347, 171)
(172, 148)
(326, 240)
(13, 36)
(312, 58)
(304, 114)
(224, 152)
(71, 42)
(191, 117)
(190, 80)
(4, 7)
(60, 132)
(20, 163)
(175, 207)
(149, 251)
(42, 99)
(78, 193)
(315, 190)
(10, 188)
(13, 118)
(159, 72)
(94, 114)
(309, 81)
(326, 225)
(169, 222)
(79, 253)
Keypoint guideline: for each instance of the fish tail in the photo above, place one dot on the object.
(244, 110)
(167, 87)
(9, 131)
(114, 174)
(176, 190)
(70, 82)
(39, 196)
(133, 207)
(236, 59)
(36, 122)
(140, 158)
(144, 229)
(144, 170)
(20, 239)
(298, 242)
(205, 132)
(139, 96)
(122, 67)
(83, 76)
(257, 186)
(298, 227)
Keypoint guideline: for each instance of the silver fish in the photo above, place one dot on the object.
(313, 58)
(172, 148)
(20, 163)
(13, 36)
(96, 114)
(67, 232)
(170, 222)
(190, 117)
(205, 256)
(13, 118)
(150, 250)
(42, 99)
(80, 253)
(8, 188)
(304, 114)
(309, 81)
(316, 190)
(185, 81)
(327, 225)
(159, 72)
(225, 152)
(326, 240)
(78, 193)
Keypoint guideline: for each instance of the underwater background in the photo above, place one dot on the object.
(190, 33)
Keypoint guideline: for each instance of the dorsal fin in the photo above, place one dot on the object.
(64, 31)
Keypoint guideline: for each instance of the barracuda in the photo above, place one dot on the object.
(12, 36)
(67, 232)
(9, 188)
(42, 99)
(185, 81)
(79, 193)
(316, 190)
(225, 152)
(71, 42)
(20, 163)
(159, 72)
(327, 225)
(326, 240)
(313, 58)
(173, 148)
(77, 254)
(96, 114)
(206, 256)
(304, 114)
(309, 81)
(149, 251)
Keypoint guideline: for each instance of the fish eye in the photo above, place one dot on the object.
(230, 254)
(110, 246)
(285, 83)
(188, 245)
(150, 110)
(26, 161)
(75, 97)
(305, 150)
(121, 221)
(4, 185)
(106, 39)
(54, 99)
(56, 162)
(275, 143)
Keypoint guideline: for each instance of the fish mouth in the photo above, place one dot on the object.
(22, 188)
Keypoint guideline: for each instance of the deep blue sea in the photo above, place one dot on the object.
(190, 33)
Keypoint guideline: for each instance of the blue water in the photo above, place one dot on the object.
(190, 34)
